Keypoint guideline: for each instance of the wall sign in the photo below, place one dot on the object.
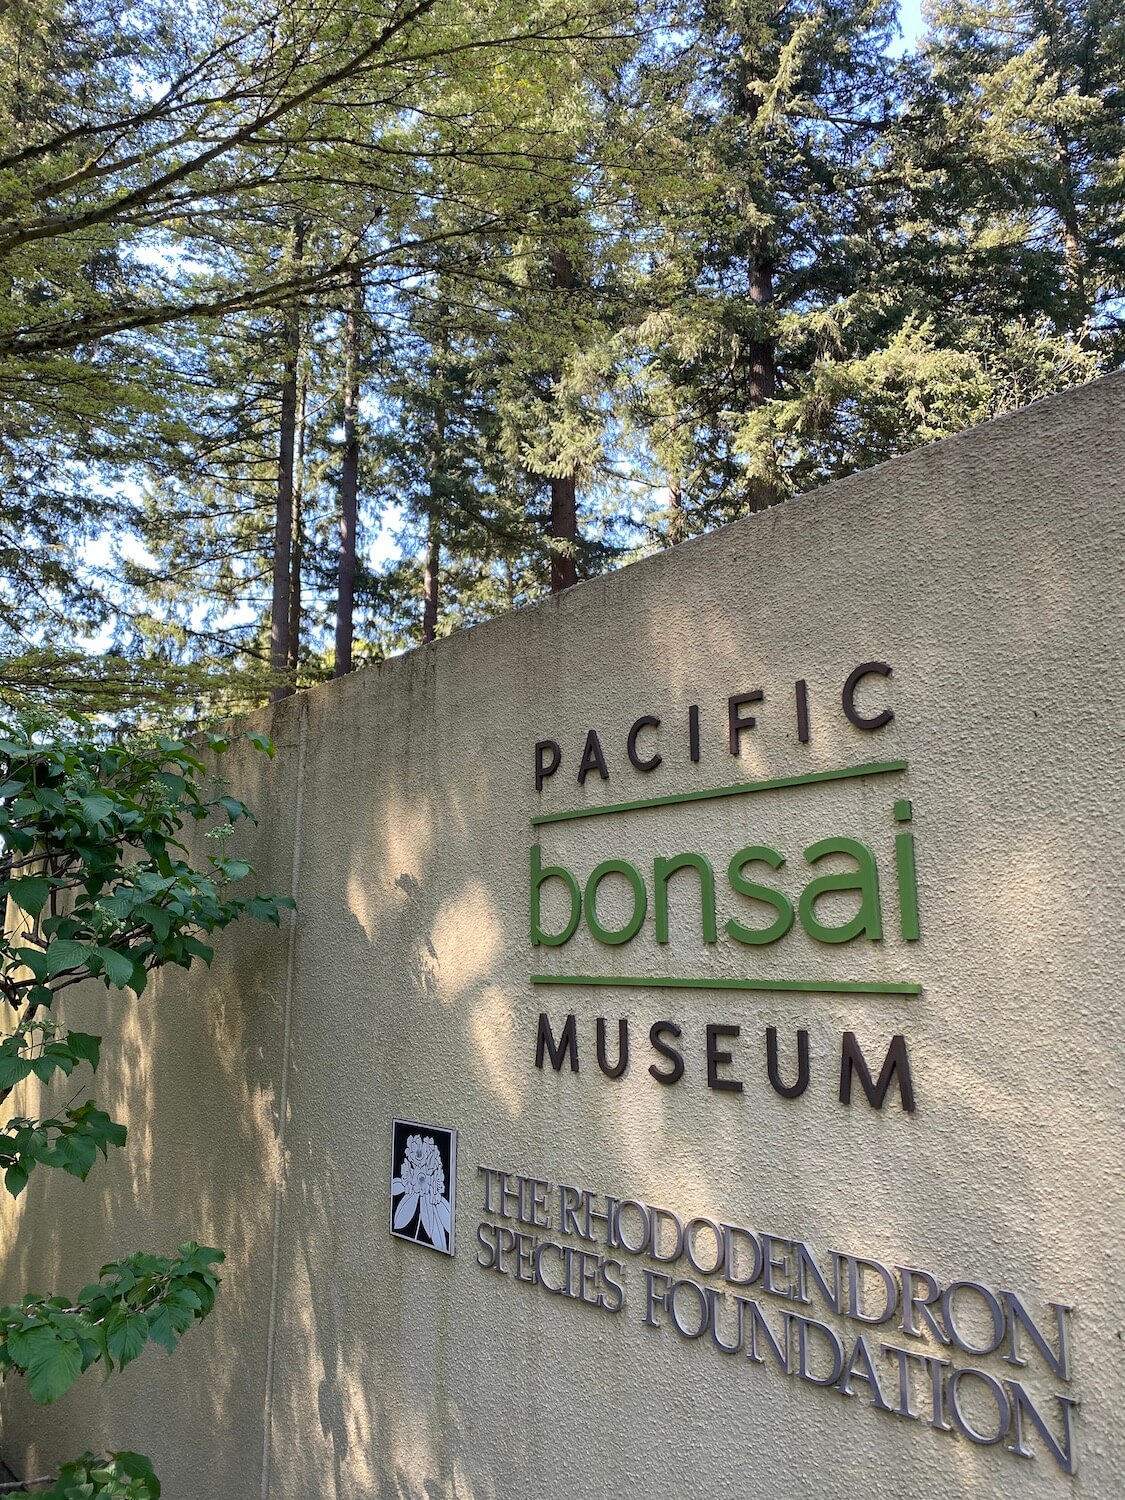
(736, 900)
(964, 1357)
(423, 1184)
(955, 1354)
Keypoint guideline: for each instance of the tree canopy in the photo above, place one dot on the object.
(328, 329)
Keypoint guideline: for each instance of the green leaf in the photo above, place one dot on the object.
(202, 1256)
(44, 1068)
(23, 1343)
(98, 1126)
(268, 908)
(65, 954)
(78, 1154)
(262, 742)
(33, 959)
(120, 904)
(30, 893)
(85, 1047)
(15, 1178)
(127, 1337)
(157, 918)
(161, 1329)
(96, 806)
(13, 1068)
(118, 966)
(53, 1369)
(60, 1057)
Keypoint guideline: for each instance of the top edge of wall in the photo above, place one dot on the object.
(915, 464)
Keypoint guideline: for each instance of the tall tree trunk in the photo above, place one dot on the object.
(349, 485)
(563, 524)
(1073, 256)
(762, 381)
(761, 375)
(436, 460)
(564, 527)
(763, 367)
(298, 549)
(283, 521)
(431, 578)
(675, 512)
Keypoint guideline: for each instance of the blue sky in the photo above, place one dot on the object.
(910, 19)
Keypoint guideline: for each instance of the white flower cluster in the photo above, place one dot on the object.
(422, 1171)
(421, 1184)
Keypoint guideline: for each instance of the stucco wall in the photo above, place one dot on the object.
(987, 571)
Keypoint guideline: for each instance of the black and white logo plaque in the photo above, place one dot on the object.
(423, 1184)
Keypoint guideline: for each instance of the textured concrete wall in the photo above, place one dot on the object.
(341, 1362)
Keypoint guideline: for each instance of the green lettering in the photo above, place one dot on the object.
(781, 904)
(663, 870)
(907, 886)
(540, 874)
(615, 936)
(864, 879)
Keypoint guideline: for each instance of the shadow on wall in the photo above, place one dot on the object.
(416, 980)
(376, 1366)
(415, 1001)
(191, 1068)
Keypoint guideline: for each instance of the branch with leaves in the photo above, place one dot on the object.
(143, 1298)
(116, 1476)
(41, 1049)
(98, 887)
(92, 860)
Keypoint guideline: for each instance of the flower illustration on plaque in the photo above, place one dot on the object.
(423, 1184)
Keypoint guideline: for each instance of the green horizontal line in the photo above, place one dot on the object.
(784, 986)
(739, 789)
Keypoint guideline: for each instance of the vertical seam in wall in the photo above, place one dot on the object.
(283, 1103)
